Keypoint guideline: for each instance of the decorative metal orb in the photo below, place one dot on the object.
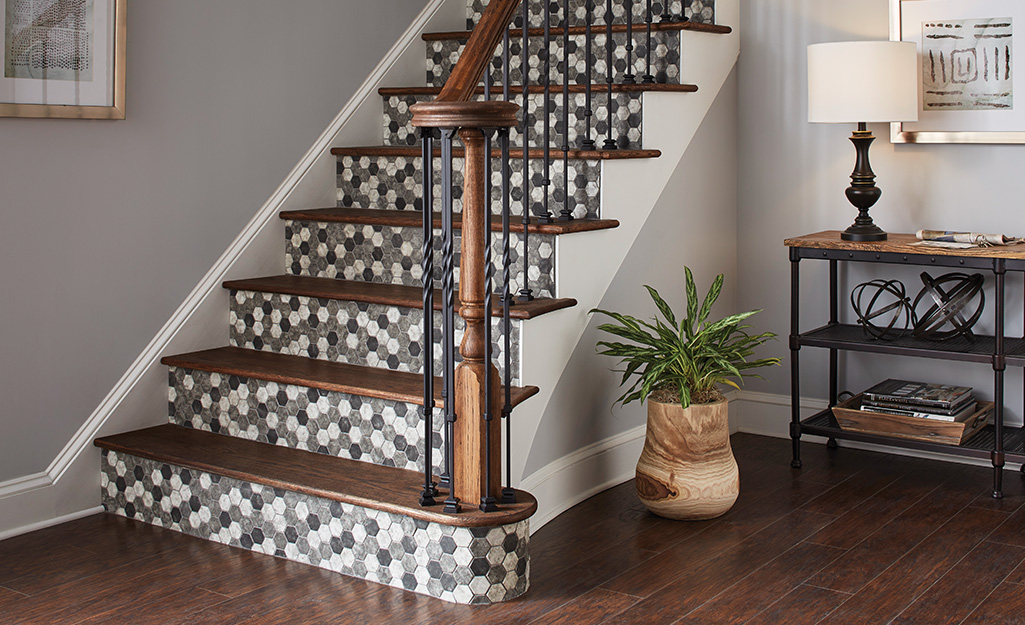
(883, 308)
(949, 298)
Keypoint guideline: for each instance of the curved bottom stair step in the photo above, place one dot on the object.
(343, 515)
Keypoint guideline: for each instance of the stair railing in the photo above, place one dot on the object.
(474, 398)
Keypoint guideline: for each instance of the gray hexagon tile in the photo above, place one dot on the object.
(391, 255)
(461, 565)
(358, 333)
(391, 182)
(626, 119)
(665, 59)
(695, 10)
(368, 429)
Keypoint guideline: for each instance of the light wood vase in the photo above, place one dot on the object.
(686, 470)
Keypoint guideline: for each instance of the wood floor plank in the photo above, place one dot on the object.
(743, 600)
(708, 574)
(1012, 531)
(901, 584)
(180, 607)
(961, 589)
(862, 563)
(866, 518)
(1005, 606)
(804, 605)
(8, 596)
(589, 608)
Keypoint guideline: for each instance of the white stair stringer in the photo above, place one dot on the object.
(588, 262)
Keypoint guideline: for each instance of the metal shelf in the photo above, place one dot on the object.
(853, 338)
(979, 446)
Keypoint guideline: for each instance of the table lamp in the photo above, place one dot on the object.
(863, 82)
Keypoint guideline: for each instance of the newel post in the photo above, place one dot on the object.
(475, 473)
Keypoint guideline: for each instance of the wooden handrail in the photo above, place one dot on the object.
(479, 51)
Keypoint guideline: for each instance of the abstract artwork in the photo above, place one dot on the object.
(967, 64)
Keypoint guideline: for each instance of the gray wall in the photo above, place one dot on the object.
(693, 224)
(105, 227)
(793, 175)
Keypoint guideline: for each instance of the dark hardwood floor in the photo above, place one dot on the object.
(855, 537)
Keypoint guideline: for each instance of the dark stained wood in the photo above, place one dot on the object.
(8, 597)
(718, 29)
(516, 91)
(763, 587)
(480, 49)
(464, 114)
(414, 219)
(804, 605)
(1005, 606)
(412, 151)
(322, 374)
(900, 243)
(901, 584)
(338, 479)
(1012, 531)
(385, 294)
(964, 587)
(589, 608)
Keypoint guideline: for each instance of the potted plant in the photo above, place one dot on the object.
(687, 469)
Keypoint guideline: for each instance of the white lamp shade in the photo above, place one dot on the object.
(863, 81)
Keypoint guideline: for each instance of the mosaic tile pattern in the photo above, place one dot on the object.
(665, 59)
(367, 429)
(461, 565)
(358, 333)
(391, 255)
(696, 10)
(626, 119)
(395, 182)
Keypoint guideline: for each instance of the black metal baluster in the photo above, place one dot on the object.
(610, 143)
(525, 294)
(629, 78)
(567, 213)
(588, 142)
(430, 490)
(508, 495)
(448, 314)
(666, 15)
(488, 501)
(546, 167)
(648, 78)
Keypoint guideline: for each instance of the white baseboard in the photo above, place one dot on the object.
(564, 483)
(50, 522)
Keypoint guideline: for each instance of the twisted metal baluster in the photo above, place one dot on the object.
(525, 294)
(588, 142)
(567, 213)
(430, 490)
(508, 494)
(610, 143)
(448, 314)
(648, 78)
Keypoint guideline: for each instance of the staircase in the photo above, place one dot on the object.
(322, 427)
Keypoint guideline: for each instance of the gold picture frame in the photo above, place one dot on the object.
(112, 86)
(980, 126)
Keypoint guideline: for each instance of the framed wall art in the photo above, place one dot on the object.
(969, 91)
(63, 59)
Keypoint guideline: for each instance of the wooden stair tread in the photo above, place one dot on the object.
(412, 151)
(517, 90)
(414, 219)
(338, 479)
(321, 374)
(638, 27)
(387, 294)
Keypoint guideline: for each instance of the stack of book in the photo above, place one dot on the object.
(938, 402)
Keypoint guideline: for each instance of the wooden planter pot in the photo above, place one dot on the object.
(687, 470)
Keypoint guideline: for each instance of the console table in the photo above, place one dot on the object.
(996, 441)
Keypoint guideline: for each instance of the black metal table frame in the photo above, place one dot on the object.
(823, 424)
